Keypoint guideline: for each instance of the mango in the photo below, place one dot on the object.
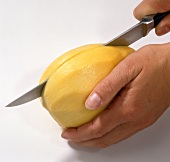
(72, 77)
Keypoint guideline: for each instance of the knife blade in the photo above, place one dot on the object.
(29, 96)
(138, 31)
(125, 39)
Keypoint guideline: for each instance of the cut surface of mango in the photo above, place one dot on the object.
(72, 77)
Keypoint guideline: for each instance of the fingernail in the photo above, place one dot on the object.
(93, 101)
(163, 30)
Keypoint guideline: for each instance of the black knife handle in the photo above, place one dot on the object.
(158, 17)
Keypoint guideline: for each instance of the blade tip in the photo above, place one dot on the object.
(12, 104)
(9, 105)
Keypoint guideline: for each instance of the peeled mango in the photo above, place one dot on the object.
(72, 77)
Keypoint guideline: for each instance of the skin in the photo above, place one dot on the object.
(138, 90)
(147, 7)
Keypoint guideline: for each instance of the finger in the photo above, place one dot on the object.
(104, 123)
(118, 134)
(147, 7)
(164, 26)
(121, 75)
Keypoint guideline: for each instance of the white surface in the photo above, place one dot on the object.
(32, 34)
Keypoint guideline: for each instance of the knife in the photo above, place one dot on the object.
(138, 31)
(29, 96)
(130, 36)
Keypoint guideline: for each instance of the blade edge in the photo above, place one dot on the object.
(128, 37)
(28, 96)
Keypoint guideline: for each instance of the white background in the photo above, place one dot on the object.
(32, 34)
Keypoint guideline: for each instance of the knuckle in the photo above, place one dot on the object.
(128, 66)
(151, 48)
(130, 114)
(167, 23)
(102, 145)
(106, 86)
(97, 131)
(146, 122)
(135, 13)
(145, 48)
(129, 70)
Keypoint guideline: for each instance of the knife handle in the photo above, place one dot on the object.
(158, 17)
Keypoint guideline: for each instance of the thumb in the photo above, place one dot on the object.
(120, 76)
(164, 26)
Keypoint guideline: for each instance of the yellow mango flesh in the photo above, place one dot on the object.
(72, 77)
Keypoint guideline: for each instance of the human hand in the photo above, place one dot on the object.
(147, 7)
(138, 91)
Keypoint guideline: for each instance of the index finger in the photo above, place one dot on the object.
(147, 7)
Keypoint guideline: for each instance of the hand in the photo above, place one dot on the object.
(147, 7)
(138, 91)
